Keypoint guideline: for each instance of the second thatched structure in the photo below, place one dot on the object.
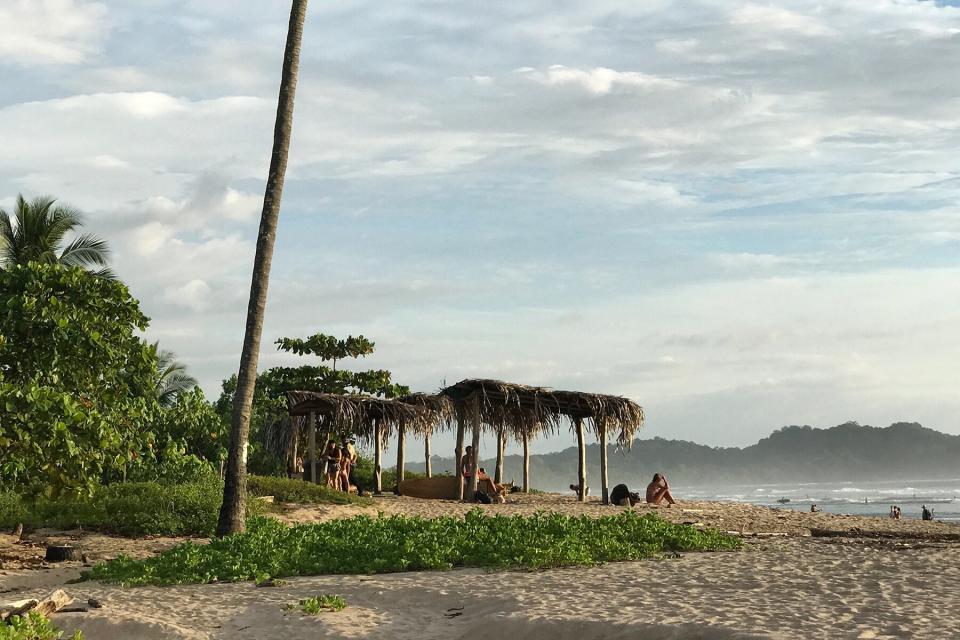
(369, 419)
(527, 412)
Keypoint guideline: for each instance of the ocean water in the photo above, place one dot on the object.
(853, 498)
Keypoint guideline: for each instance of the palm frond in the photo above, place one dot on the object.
(85, 250)
(172, 378)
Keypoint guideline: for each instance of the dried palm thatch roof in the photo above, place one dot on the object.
(358, 415)
(533, 410)
(280, 433)
(438, 405)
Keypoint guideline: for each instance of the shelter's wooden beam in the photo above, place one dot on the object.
(475, 460)
(295, 436)
(501, 444)
(526, 463)
(604, 482)
(377, 457)
(581, 462)
(401, 452)
(428, 467)
(459, 454)
(312, 446)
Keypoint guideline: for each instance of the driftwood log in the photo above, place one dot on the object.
(51, 604)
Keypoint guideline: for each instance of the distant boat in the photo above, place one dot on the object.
(783, 500)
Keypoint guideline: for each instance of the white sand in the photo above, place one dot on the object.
(797, 587)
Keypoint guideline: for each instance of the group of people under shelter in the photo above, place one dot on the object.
(336, 465)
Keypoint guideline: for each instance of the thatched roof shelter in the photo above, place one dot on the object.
(358, 415)
(436, 404)
(527, 411)
(536, 409)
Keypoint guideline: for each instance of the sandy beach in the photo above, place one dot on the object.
(853, 578)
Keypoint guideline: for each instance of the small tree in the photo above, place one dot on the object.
(376, 382)
(76, 381)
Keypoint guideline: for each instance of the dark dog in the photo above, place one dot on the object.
(621, 496)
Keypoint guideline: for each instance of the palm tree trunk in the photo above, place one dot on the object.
(232, 513)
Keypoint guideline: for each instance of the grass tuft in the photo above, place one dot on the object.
(316, 605)
(364, 545)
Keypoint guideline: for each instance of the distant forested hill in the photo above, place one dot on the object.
(791, 454)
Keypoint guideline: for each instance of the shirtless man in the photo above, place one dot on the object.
(659, 490)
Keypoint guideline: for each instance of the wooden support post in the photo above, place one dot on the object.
(294, 433)
(312, 446)
(604, 481)
(581, 462)
(501, 444)
(526, 463)
(459, 454)
(475, 461)
(427, 466)
(377, 457)
(401, 446)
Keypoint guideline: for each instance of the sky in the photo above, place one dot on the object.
(742, 215)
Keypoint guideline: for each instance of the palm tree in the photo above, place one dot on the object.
(232, 512)
(38, 236)
(172, 378)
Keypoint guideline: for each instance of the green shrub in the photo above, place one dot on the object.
(12, 509)
(364, 545)
(33, 626)
(128, 508)
(293, 490)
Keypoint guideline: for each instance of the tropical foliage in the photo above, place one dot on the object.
(128, 508)
(172, 377)
(37, 232)
(269, 399)
(33, 626)
(76, 381)
(364, 545)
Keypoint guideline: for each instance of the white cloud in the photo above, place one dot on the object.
(721, 205)
(599, 80)
(39, 32)
(777, 18)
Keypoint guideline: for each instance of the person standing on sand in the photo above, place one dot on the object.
(659, 490)
(466, 463)
(346, 467)
(331, 456)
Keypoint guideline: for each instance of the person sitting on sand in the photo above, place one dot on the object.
(659, 490)
(926, 514)
(621, 496)
(486, 484)
(815, 509)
